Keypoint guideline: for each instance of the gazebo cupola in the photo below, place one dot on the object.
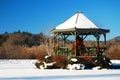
(78, 26)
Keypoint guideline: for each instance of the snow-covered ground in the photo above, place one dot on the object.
(25, 70)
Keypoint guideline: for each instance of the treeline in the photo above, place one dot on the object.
(113, 48)
(21, 45)
(21, 38)
(25, 45)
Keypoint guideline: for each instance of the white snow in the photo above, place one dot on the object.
(74, 60)
(47, 57)
(78, 20)
(75, 67)
(115, 61)
(25, 70)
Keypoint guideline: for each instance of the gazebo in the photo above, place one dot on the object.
(78, 26)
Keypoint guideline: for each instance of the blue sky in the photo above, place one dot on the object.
(37, 16)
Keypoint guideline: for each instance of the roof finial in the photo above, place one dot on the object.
(79, 12)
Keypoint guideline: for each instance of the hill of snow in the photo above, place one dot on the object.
(25, 70)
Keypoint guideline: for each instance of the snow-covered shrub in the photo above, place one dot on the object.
(48, 63)
(39, 65)
(103, 62)
(45, 63)
(61, 61)
(75, 64)
(52, 62)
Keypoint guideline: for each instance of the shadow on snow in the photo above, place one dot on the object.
(62, 77)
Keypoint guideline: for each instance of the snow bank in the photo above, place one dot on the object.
(25, 70)
(17, 64)
(35, 74)
(115, 61)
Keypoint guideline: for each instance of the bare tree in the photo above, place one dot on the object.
(47, 39)
(47, 43)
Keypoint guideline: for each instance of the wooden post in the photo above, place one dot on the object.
(97, 43)
(57, 42)
(75, 44)
(54, 42)
(63, 40)
(104, 39)
(98, 46)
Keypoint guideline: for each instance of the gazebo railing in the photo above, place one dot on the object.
(86, 51)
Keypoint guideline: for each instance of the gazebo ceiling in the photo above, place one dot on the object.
(81, 31)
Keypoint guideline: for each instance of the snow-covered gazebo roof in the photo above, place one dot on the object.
(78, 22)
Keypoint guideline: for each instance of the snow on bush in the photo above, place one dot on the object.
(74, 64)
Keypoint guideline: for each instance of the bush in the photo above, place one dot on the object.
(61, 60)
(40, 57)
(103, 62)
(51, 62)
